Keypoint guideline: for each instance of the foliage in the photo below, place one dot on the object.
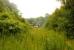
(11, 22)
(36, 21)
(62, 19)
(17, 34)
(37, 39)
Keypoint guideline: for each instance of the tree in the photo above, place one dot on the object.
(63, 19)
(10, 20)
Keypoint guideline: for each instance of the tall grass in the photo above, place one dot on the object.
(36, 39)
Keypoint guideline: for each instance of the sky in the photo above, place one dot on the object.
(36, 8)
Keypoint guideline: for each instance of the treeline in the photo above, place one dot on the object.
(63, 19)
(37, 22)
(11, 21)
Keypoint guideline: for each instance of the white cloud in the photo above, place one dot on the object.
(36, 8)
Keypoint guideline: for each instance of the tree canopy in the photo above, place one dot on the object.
(63, 18)
(10, 20)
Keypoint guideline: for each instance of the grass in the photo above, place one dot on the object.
(36, 39)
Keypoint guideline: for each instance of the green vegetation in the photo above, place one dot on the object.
(36, 21)
(54, 32)
(10, 21)
(38, 39)
(62, 19)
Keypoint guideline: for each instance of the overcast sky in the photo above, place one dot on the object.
(36, 8)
